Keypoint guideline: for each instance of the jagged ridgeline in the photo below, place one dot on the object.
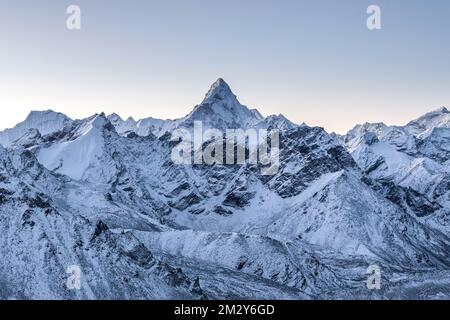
(105, 195)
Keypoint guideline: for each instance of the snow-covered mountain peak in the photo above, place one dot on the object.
(423, 126)
(44, 115)
(401, 136)
(219, 90)
(96, 122)
(87, 195)
(442, 110)
(79, 149)
(368, 127)
(99, 121)
(279, 122)
(142, 127)
(361, 132)
(114, 118)
(45, 122)
(221, 109)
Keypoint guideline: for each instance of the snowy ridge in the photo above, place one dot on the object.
(413, 157)
(103, 191)
(45, 122)
(423, 126)
(142, 127)
(220, 109)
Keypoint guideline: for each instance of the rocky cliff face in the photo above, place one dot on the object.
(105, 195)
(411, 162)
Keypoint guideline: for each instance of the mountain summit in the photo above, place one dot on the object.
(424, 125)
(219, 90)
(93, 196)
(45, 122)
(221, 109)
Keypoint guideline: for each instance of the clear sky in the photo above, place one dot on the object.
(315, 61)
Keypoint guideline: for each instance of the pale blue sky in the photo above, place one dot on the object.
(314, 61)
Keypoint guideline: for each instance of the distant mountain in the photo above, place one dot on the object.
(423, 126)
(220, 109)
(414, 157)
(279, 122)
(44, 121)
(142, 127)
(104, 194)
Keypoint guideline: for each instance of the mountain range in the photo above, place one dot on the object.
(102, 193)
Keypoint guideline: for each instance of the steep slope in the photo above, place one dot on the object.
(99, 192)
(311, 196)
(298, 268)
(413, 162)
(76, 153)
(43, 232)
(424, 125)
(220, 109)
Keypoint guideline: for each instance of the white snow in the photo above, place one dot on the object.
(45, 122)
(304, 241)
(73, 158)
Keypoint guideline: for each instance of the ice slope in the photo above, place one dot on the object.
(76, 155)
